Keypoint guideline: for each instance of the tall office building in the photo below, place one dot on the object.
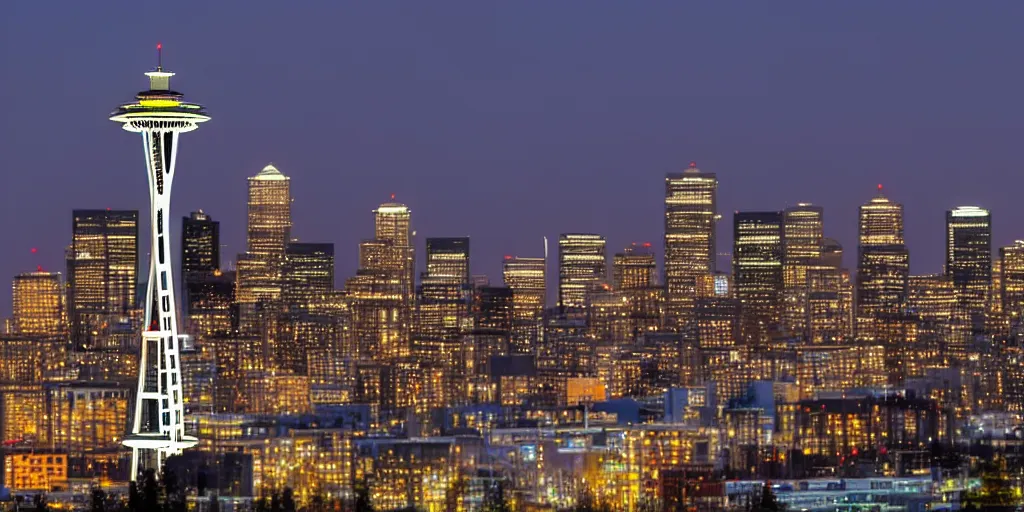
(526, 277)
(200, 252)
(39, 305)
(803, 237)
(393, 224)
(757, 273)
(634, 268)
(690, 217)
(102, 266)
(444, 293)
(270, 213)
(381, 296)
(883, 268)
(443, 315)
(448, 260)
(200, 244)
(308, 274)
(582, 267)
(268, 231)
(1012, 280)
(259, 269)
(969, 260)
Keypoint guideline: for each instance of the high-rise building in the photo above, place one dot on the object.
(393, 224)
(200, 244)
(39, 305)
(200, 253)
(526, 277)
(270, 213)
(969, 260)
(268, 231)
(802, 248)
(690, 215)
(103, 266)
(1012, 279)
(881, 222)
(160, 115)
(634, 268)
(757, 272)
(448, 260)
(582, 267)
(883, 268)
(308, 274)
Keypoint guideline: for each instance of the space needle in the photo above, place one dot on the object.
(160, 115)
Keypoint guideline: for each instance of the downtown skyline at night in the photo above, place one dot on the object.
(471, 257)
(784, 114)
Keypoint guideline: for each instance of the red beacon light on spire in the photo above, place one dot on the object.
(647, 245)
(879, 187)
(34, 250)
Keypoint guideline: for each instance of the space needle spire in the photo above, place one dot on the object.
(160, 115)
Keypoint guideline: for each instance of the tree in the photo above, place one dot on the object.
(150, 491)
(175, 501)
(362, 490)
(495, 500)
(134, 499)
(587, 502)
(99, 501)
(288, 500)
(40, 503)
(767, 502)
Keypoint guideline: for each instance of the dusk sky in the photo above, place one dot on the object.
(510, 121)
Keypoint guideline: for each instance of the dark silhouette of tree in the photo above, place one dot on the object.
(134, 499)
(40, 503)
(214, 503)
(495, 499)
(275, 502)
(288, 500)
(150, 491)
(317, 503)
(587, 502)
(766, 501)
(362, 490)
(99, 501)
(175, 494)
(201, 481)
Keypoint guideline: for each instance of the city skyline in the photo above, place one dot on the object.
(782, 112)
(484, 257)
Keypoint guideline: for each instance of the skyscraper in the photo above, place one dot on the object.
(803, 228)
(690, 216)
(308, 274)
(757, 272)
(200, 244)
(448, 259)
(39, 305)
(582, 267)
(160, 115)
(883, 268)
(969, 260)
(260, 268)
(634, 268)
(200, 251)
(270, 213)
(526, 277)
(102, 273)
(1012, 281)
